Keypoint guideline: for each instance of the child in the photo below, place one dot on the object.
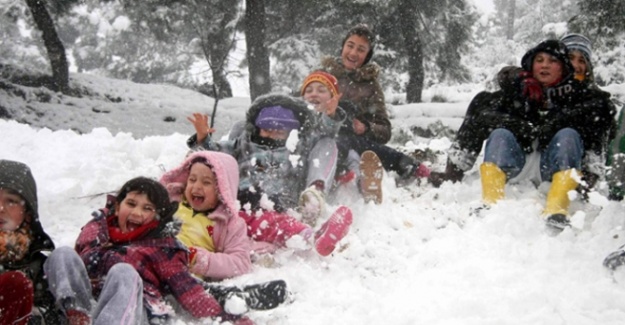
(206, 185)
(278, 133)
(133, 260)
(22, 243)
(320, 89)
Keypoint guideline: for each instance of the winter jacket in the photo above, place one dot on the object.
(279, 171)
(361, 87)
(579, 105)
(159, 258)
(18, 177)
(231, 255)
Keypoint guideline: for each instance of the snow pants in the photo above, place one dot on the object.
(392, 160)
(271, 226)
(565, 151)
(18, 298)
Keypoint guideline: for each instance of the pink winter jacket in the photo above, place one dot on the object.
(232, 245)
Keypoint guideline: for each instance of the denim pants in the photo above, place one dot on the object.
(565, 151)
(121, 299)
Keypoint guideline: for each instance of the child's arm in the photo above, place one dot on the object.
(200, 123)
(186, 289)
(233, 261)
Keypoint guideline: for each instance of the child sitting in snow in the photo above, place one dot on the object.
(206, 186)
(22, 243)
(271, 152)
(129, 256)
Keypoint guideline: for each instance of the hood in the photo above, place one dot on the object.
(552, 47)
(366, 72)
(17, 176)
(226, 171)
(297, 105)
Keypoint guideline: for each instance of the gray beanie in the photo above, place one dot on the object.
(577, 42)
(17, 176)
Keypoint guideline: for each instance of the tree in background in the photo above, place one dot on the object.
(257, 54)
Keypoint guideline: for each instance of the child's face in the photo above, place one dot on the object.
(134, 211)
(579, 63)
(12, 210)
(317, 93)
(546, 68)
(274, 134)
(201, 191)
(355, 52)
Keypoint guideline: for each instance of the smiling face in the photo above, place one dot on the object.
(547, 69)
(201, 191)
(134, 211)
(354, 52)
(12, 210)
(579, 63)
(317, 93)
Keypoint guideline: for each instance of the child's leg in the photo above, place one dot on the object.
(272, 227)
(17, 309)
(322, 164)
(121, 300)
(68, 280)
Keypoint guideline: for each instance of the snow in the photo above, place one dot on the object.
(424, 256)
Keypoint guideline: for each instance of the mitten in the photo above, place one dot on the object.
(423, 171)
(530, 87)
(199, 261)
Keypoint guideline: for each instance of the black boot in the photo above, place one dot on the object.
(452, 173)
(261, 296)
(615, 259)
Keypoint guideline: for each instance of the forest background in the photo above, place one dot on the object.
(270, 45)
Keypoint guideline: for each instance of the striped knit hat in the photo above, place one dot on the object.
(323, 77)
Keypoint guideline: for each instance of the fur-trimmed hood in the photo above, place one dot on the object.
(334, 66)
(226, 171)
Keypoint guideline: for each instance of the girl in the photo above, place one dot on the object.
(206, 185)
(132, 260)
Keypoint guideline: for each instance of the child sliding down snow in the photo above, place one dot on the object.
(197, 178)
(129, 256)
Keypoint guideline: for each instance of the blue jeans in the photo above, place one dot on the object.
(565, 151)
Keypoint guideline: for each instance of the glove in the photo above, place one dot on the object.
(530, 87)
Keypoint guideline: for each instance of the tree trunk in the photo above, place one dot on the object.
(53, 44)
(257, 54)
(414, 51)
(510, 20)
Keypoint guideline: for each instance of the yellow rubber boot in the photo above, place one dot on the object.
(493, 183)
(558, 197)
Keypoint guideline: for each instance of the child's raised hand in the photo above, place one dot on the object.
(332, 104)
(200, 123)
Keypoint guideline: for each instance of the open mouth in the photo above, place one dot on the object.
(130, 226)
(196, 200)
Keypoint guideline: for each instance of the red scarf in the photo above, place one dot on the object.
(116, 235)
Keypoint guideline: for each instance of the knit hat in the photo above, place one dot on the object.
(17, 176)
(277, 118)
(323, 77)
(579, 43)
(362, 30)
(551, 47)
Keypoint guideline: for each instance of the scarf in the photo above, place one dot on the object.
(14, 244)
(117, 237)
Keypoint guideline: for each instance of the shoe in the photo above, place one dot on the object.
(452, 173)
(371, 171)
(615, 259)
(266, 295)
(557, 221)
(262, 296)
(333, 231)
(311, 205)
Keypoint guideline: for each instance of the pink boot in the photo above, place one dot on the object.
(333, 231)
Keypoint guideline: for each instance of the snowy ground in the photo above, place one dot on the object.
(421, 257)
